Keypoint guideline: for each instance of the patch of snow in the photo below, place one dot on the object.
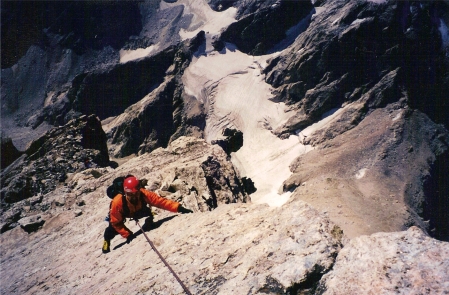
(48, 100)
(327, 118)
(205, 70)
(361, 173)
(204, 18)
(300, 51)
(329, 113)
(317, 11)
(360, 20)
(128, 55)
(398, 116)
(232, 86)
(444, 33)
(335, 22)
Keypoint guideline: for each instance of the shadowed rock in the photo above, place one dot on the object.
(359, 175)
(261, 25)
(233, 140)
(31, 223)
(9, 152)
(78, 145)
(162, 114)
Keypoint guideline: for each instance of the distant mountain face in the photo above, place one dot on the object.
(335, 64)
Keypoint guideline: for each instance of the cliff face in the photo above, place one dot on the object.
(300, 133)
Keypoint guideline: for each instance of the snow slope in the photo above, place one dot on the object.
(238, 97)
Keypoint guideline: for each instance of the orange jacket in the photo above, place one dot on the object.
(116, 211)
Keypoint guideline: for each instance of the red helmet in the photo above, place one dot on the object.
(131, 185)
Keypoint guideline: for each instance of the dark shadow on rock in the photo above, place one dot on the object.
(293, 32)
(435, 206)
(9, 153)
(233, 141)
(153, 226)
(248, 185)
(113, 164)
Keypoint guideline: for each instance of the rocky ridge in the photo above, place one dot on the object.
(46, 165)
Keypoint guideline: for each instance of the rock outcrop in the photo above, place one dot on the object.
(9, 152)
(406, 262)
(49, 160)
(31, 223)
(189, 171)
(161, 115)
(232, 141)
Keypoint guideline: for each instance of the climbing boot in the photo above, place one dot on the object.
(106, 245)
(148, 225)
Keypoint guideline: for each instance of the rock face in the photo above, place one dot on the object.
(351, 104)
(159, 117)
(79, 26)
(259, 24)
(406, 263)
(235, 249)
(48, 160)
(189, 171)
(347, 176)
(9, 152)
(336, 64)
(336, 60)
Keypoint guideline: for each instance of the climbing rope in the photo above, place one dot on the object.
(165, 262)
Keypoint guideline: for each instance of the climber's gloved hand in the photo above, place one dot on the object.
(183, 210)
(143, 182)
(130, 238)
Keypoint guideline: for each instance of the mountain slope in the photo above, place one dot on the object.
(293, 129)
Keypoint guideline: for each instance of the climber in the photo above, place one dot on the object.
(133, 204)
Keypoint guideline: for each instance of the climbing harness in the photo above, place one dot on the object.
(163, 260)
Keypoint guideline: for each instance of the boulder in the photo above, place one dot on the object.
(31, 223)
